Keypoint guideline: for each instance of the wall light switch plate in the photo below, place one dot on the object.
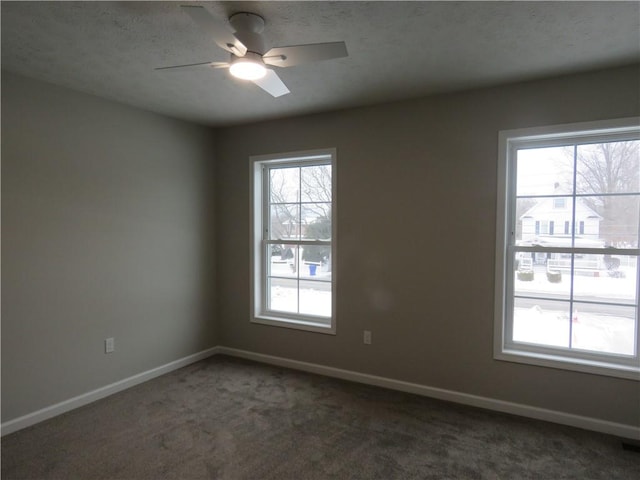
(109, 345)
(367, 337)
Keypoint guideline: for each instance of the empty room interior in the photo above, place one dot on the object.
(320, 240)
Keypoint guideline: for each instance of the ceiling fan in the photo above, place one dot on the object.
(249, 55)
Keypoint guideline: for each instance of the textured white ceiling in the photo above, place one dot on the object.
(396, 50)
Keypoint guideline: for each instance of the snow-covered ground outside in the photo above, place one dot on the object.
(588, 331)
(312, 301)
(315, 297)
(602, 329)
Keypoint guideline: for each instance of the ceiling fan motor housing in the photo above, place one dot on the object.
(248, 29)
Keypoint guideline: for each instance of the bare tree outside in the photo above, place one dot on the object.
(300, 197)
(316, 197)
(611, 168)
(284, 190)
(316, 194)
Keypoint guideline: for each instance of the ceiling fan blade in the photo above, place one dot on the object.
(216, 28)
(272, 84)
(299, 54)
(188, 66)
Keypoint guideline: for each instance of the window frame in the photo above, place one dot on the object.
(509, 141)
(259, 213)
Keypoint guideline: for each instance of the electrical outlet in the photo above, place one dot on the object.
(109, 345)
(367, 337)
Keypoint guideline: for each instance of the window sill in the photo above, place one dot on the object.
(296, 324)
(578, 365)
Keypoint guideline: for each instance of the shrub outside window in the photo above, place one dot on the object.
(568, 298)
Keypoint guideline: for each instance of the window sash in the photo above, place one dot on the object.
(569, 352)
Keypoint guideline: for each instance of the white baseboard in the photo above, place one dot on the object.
(587, 423)
(89, 397)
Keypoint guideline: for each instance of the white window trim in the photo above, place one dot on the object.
(294, 321)
(508, 142)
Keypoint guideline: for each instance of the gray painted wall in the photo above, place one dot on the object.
(108, 230)
(107, 222)
(416, 239)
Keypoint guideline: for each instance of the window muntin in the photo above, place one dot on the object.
(568, 296)
(294, 240)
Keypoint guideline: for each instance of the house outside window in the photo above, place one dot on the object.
(569, 300)
(587, 221)
(293, 240)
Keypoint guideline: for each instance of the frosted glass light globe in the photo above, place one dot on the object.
(247, 69)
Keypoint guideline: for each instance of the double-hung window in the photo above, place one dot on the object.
(293, 240)
(569, 298)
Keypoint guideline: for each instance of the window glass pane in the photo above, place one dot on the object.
(316, 183)
(611, 220)
(284, 185)
(544, 171)
(316, 220)
(316, 261)
(315, 298)
(612, 167)
(604, 328)
(541, 322)
(610, 278)
(282, 260)
(282, 295)
(284, 222)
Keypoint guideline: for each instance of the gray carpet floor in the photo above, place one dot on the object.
(225, 418)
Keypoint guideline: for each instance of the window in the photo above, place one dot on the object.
(559, 202)
(293, 240)
(544, 227)
(570, 301)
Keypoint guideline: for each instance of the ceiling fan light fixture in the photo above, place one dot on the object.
(249, 67)
(250, 57)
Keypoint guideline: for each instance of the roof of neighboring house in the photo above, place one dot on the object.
(545, 205)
